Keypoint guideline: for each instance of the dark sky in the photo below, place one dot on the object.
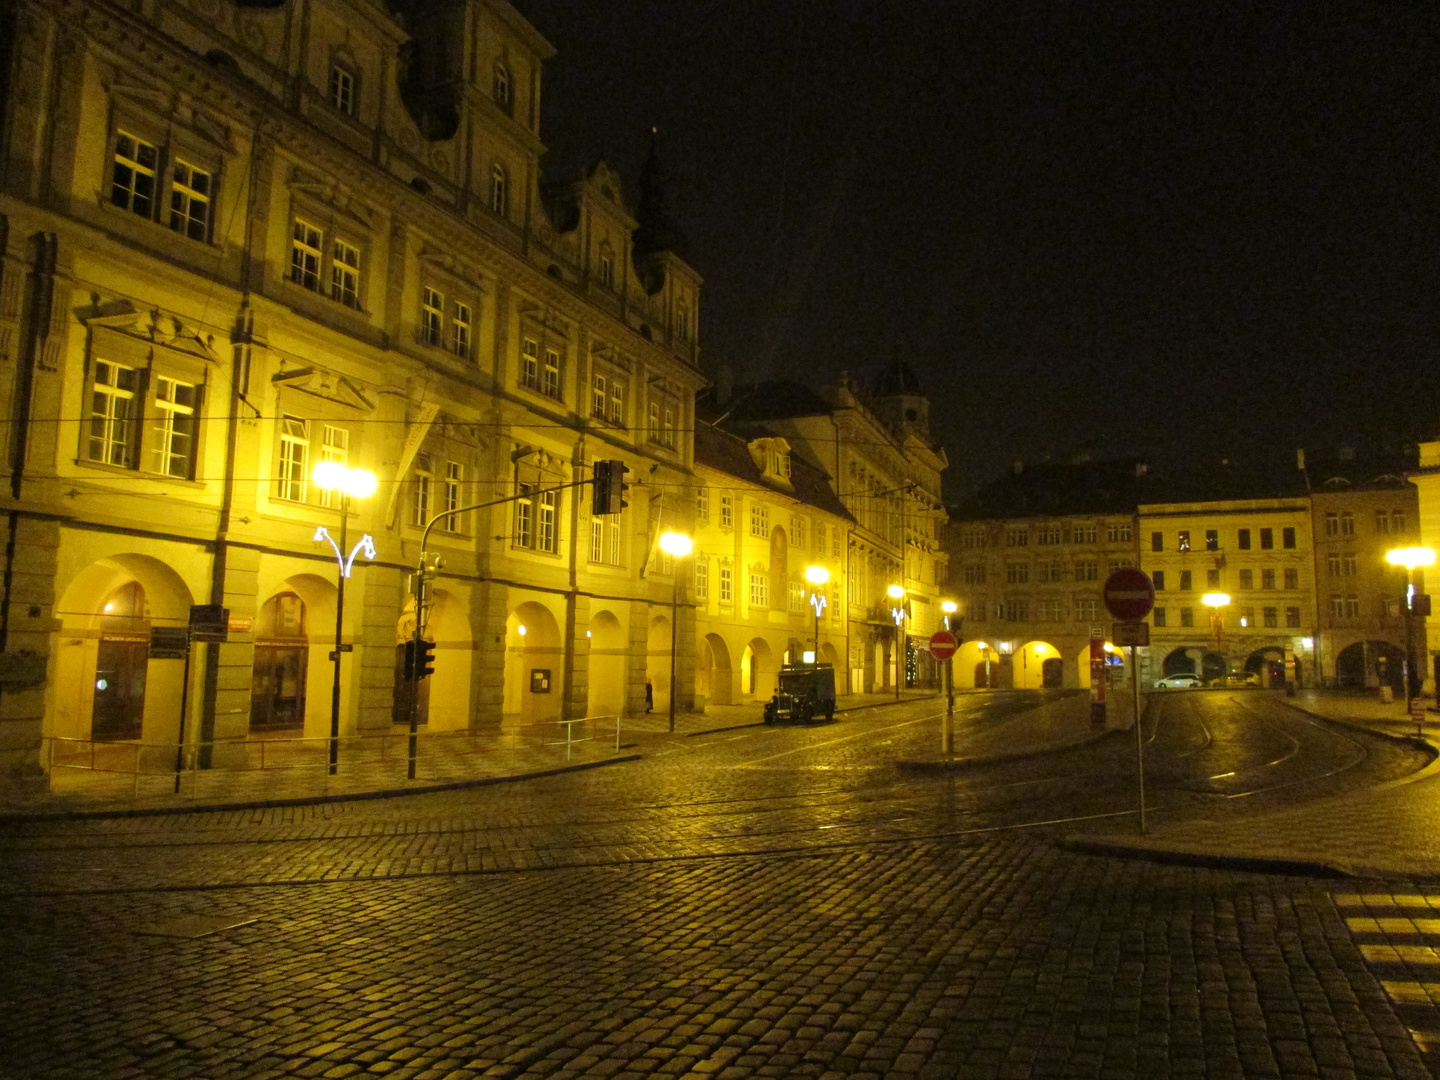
(1176, 230)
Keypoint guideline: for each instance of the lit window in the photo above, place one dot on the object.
(1212, 539)
(190, 200)
(460, 331)
(1183, 542)
(499, 190)
(112, 414)
(133, 182)
(174, 426)
(294, 458)
(345, 274)
(432, 317)
(305, 255)
(342, 90)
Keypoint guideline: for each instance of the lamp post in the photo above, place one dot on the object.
(897, 612)
(1217, 602)
(677, 546)
(1411, 558)
(350, 483)
(817, 576)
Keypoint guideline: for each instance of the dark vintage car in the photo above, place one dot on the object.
(807, 692)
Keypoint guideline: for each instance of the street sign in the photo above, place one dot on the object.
(169, 642)
(209, 622)
(943, 645)
(1132, 633)
(1129, 595)
(241, 624)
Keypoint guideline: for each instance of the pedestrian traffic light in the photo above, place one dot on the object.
(426, 666)
(608, 494)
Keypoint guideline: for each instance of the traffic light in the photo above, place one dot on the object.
(608, 494)
(426, 666)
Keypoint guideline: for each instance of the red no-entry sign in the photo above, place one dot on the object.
(943, 645)
(1129, 595)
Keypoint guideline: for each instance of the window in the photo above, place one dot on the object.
(460, 331)
(1332, 524)
(1016, 609)
(132, 184)
(1187, 616)
(1087, 609)
(1397, 521)
(797, 531)
(702, 507)
(972, 538)
(174, 426)
(702, 577)
(342, 90)
(973, 574)
(759, 591)
(1157, 616)
(1118, 532)
(1347, 528)
(294, 458)
(1352, 607)
(1332, 563)
(190, 200)
(605, 534)
(654, 417)
(1247, 616)
(1017, 537)
(1347, 567)
(1050, 570)
(1271, 616)
(835, 542)
(1185, 581)
(454, 491)
(1087, 570)
(432, 317)
(727, 584)
(727, 511)
(1212, 539)
(1212, 579)
(305, 255)
(1085, 534)
(420, 502)
(525, 516)
(1244, 538)
(1111, 565)
(607, 266)
(759, 519)
(1267, 539)
(530, 363)
(334, 446)
(500, 86)
(1017, 573)
(545, 534)
(1292, 573)
(820, 538)
(1292, 617)
(598, 397)
(1267, 579)
(1051, 610)
(682, 321)
(1247, 579)
(1337, 606)
(617, 402)
(797, 596)
(1382, 523)
(1183, 543)
(552, 374)
(1157, 541)
(499, 190)
(667, 434)
(1157, 578)
(1047, 535)
(112, 414)
(345, 274)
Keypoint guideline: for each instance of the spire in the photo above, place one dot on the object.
(656, 231)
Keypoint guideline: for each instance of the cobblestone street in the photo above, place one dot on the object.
(757, 902)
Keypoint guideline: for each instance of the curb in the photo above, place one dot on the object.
(1178, 856)
(305, 800)
(1417, 742)
(959, 764)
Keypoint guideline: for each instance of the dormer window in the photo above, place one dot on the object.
(778, 462)
(342, 90)
(501, 86)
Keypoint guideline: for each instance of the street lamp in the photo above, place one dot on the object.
(817, 576)
(677, 546)
(949, 607)
(1411, 558)
(349, 483)
(897, 612)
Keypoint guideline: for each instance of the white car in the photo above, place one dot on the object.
(1178, 682)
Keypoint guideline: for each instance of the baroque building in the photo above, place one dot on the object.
(241, 237)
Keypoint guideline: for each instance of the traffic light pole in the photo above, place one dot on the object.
(418, 589)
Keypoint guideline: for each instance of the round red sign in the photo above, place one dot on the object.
(943, 645)
(1129, 594)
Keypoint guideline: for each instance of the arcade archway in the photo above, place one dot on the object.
(605, 690)
(533, 659)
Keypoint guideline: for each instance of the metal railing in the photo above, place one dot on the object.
(279, 765)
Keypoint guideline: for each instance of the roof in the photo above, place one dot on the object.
(731, 454)
(775, 400)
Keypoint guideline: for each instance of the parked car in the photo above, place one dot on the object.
(1178, 682)
(1238, 678)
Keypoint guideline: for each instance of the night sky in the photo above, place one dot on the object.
(1173, 230)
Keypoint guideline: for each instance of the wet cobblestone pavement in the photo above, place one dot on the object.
(753, 903)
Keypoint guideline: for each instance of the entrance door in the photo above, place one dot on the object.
(277, 699)
(119, 709)
(1052, 673)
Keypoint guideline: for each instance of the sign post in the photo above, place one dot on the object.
(1129, 596)
(942, 647)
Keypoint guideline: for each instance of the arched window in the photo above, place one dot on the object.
(282, 648)
(499, 189)
(121, 662)
(501, 87)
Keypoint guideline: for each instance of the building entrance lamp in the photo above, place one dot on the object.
(1412, 559)
(1217, 602)
(349, 484)
(817, 576)
(677, 546)
(897, 612)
